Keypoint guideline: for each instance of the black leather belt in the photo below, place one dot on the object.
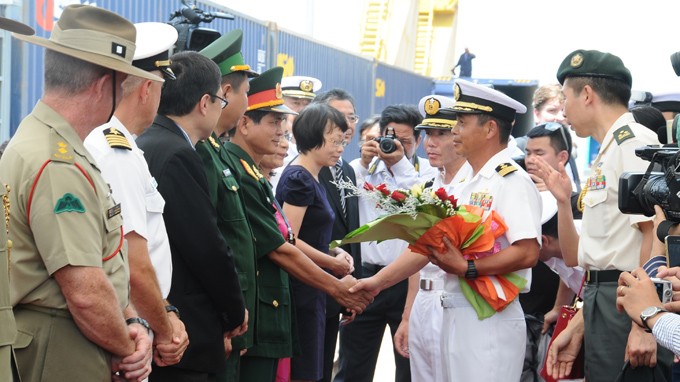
(608, 276)
(373, 268)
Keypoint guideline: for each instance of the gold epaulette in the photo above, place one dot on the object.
(504, 169)
(116, 139)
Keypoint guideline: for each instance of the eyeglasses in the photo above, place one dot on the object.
(341, 143)
(288, 136)
(554, 126)
(222, 100)
(352, 118)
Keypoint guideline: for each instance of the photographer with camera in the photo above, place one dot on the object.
(397, 166)
(597, 87)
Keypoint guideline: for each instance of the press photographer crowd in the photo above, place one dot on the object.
(173, 215)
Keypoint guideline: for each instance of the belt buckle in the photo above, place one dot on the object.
(588, 276)
(426, 284)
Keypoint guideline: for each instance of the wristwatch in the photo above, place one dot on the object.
(172, 308)
(139, 320)
(649, 313)
(471, 272)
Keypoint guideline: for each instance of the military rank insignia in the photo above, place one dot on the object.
(481, 199)
(504, 169)
(62, 152)
(69, 203)
(213, 142)
(623, 134)
(116, 139)
(251, 171)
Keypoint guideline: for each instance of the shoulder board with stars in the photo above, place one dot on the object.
(213, 142)
(250, 171)
(116, 139)
(504, 169)
(623, 134)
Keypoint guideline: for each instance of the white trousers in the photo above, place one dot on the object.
(424, 337)
(488, 350)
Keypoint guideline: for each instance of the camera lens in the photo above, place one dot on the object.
(387, 145)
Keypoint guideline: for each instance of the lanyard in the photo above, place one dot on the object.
(291, 234)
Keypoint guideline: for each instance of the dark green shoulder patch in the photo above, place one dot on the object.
(69, 203)
(504, 169)
(622, 134)
(116, 139)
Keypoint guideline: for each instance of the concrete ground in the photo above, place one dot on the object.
(384, 370)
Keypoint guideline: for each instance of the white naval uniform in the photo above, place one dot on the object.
(425, 321)
(491, 349)
(134, 188)
(404, 175)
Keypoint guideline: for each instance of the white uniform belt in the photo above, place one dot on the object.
(431, 284)
(454, 300)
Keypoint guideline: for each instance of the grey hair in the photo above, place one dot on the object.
(69, 74)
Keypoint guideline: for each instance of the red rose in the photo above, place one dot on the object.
(368, 187)
(441, 194)
(398, 196)
(453, 200)
(383, 188)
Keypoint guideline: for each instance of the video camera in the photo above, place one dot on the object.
(191, 36)
(659, 185)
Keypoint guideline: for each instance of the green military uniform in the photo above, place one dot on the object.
(62, 214)
(232, 222)
(273, 327)
(8, 328)
(234, 226)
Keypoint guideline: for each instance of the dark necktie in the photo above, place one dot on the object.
(338, 177)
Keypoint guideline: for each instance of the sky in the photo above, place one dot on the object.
(522, 39)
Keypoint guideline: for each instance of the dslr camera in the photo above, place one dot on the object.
(659, 185)
(664, 289)
(386, 142)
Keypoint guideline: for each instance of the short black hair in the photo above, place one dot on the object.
(257, 115)
(504, 127)
(557, 139)
(401, 114)
(196, 75)
(611, 91)
(235, 79)
(334, 94)
(549, 228)
(313, 122)
(649, 116)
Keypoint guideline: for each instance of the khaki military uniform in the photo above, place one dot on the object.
(62, 214)
(8, 328)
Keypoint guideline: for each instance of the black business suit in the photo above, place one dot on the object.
(205, 285)
(341, 227)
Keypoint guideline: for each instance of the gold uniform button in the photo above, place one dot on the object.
(233, 188)
(275, 303)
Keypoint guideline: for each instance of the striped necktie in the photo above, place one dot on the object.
(339, 175)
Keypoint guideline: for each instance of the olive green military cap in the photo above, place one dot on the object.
(265, 92)
(593, 63)
(226, 53)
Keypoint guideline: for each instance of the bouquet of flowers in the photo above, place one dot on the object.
(423, 217)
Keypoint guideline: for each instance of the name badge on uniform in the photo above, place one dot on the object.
(113, 211)
(481, 199)
(226, 172)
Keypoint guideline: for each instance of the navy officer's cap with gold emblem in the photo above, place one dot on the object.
(154, 41)
(300, 87)
(472, 98)
(265, 92)
(437, 113)
(593, 63)
(226, 53)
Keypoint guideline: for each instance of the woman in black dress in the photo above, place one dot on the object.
(320, 133)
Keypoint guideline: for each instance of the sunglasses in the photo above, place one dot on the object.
(554, 126)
